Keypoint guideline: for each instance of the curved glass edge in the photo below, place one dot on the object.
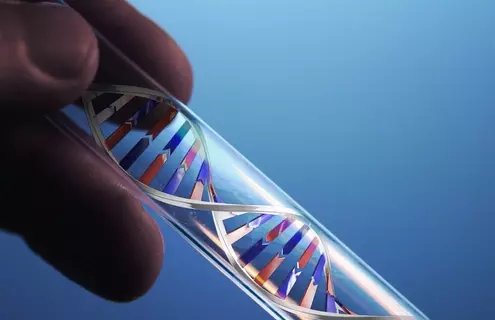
(72, 122)
(382, 298)
(343, 252)
(228, 269)
(73, 117)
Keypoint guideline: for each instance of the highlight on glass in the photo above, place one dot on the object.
(229, 211)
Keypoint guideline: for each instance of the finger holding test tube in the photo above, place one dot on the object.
(227, 209)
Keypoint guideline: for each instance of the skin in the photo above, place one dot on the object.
(78, 212)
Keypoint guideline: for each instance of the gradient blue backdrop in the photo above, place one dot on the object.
(394, 104)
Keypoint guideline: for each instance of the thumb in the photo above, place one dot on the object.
(48, 56)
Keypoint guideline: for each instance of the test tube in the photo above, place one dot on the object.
(230, 212)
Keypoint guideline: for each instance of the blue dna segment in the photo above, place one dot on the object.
(159, 147)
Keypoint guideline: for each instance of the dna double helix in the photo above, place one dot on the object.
(165, 152)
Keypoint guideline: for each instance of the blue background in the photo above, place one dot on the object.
(377, 116)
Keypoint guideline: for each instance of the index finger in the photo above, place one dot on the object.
(141, 40)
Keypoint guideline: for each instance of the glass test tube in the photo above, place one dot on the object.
(236, 217)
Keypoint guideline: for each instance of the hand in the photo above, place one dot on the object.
(72, 207)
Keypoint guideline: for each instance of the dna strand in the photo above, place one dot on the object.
(165, 152)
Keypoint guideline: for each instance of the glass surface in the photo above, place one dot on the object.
(228, 210)
(233, 214)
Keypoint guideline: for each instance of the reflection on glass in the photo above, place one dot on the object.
(233, 214)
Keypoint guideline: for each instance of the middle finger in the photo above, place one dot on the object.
(142, 41)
